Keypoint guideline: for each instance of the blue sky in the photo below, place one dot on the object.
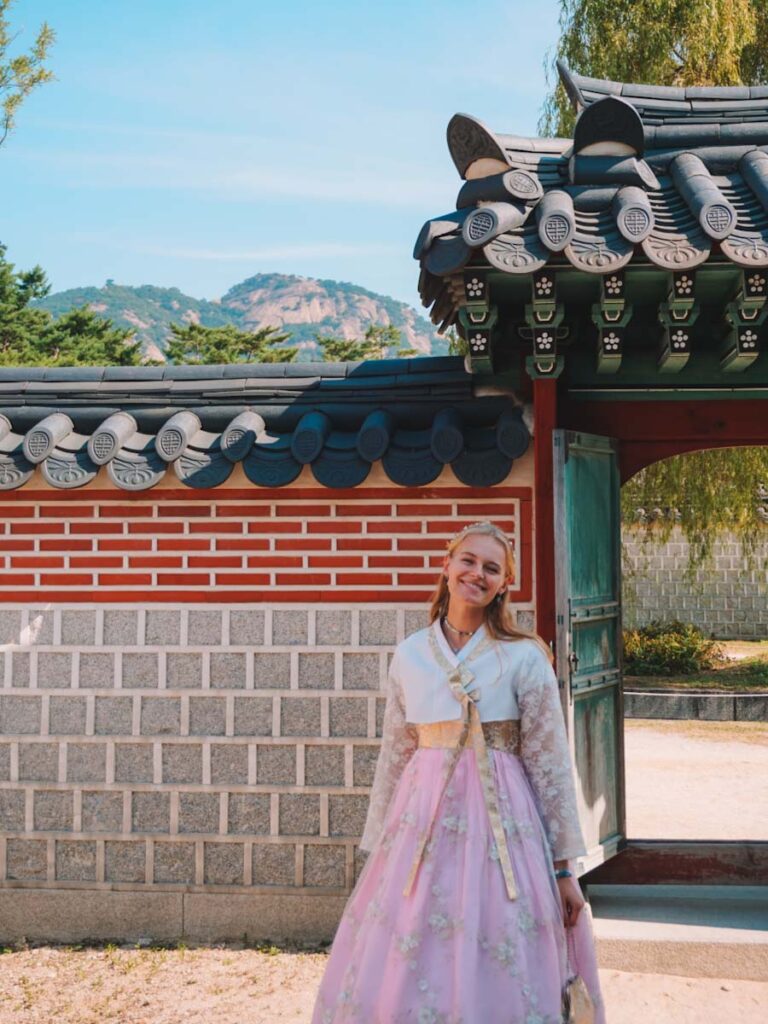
(192, 144)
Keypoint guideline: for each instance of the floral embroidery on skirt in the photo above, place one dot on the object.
(456, 950)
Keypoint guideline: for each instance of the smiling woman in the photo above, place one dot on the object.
(459, 912)
(477, 569)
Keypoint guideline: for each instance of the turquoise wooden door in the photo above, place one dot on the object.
(588, 634)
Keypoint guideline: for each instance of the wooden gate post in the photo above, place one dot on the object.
(544, 423)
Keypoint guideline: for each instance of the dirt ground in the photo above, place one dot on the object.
(696, 780)
(714, 781)
(230, 986)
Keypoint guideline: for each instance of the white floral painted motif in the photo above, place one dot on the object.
(516, 831)
(455, 824)
(684, 285)
(443, 926)
(408, 942)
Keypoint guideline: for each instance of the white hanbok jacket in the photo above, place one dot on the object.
(515, 681)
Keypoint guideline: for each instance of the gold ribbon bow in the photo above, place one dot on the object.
(460, 680)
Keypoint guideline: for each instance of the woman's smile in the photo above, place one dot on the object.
(474, 586)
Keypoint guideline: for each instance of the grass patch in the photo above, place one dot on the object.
(744, 669)
(747, 676)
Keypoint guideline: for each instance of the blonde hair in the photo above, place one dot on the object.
(498, 614)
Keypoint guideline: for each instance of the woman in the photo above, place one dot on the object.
(457, 917)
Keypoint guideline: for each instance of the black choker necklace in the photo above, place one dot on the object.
(458, 632)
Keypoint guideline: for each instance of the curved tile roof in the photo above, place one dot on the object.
(654, 175)
(138, 424)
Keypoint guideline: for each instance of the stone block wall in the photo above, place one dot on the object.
(195, 746)
(727, 600)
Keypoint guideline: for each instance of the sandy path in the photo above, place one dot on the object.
(227, 986)
(666, 999)
(696, 780)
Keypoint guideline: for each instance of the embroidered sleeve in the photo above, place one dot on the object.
(398, 743)
(546, 756)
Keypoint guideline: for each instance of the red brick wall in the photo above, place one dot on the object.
(291, 544)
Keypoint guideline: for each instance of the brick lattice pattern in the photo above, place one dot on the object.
(297, 544)
(204, 747)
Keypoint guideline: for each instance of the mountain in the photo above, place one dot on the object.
(303, 306)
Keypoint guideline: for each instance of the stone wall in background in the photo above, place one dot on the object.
(727, 600)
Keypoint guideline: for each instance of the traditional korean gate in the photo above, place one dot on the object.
(618, 282)
(588, 632)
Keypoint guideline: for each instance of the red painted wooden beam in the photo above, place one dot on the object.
(544, 422)
(684, 861)
(654, 430)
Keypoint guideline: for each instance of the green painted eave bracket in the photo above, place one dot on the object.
(532, 368)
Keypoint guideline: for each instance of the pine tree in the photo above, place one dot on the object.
(193, 343)
(379, 342)
(29, 335)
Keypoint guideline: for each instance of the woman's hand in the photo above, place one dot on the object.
(572, 900)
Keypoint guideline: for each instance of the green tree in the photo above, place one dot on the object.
(706, 494)
(675, 42)
(80, 337)
(193, 343)
(20, 73)
(457, 346)
(30, 336)
(663, 42)
(378, 342)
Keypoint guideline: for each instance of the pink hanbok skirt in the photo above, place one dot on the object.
(456, 950)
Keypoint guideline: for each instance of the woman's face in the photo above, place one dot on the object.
(476, 570)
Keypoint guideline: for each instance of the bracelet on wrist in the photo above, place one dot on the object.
(563, 873)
